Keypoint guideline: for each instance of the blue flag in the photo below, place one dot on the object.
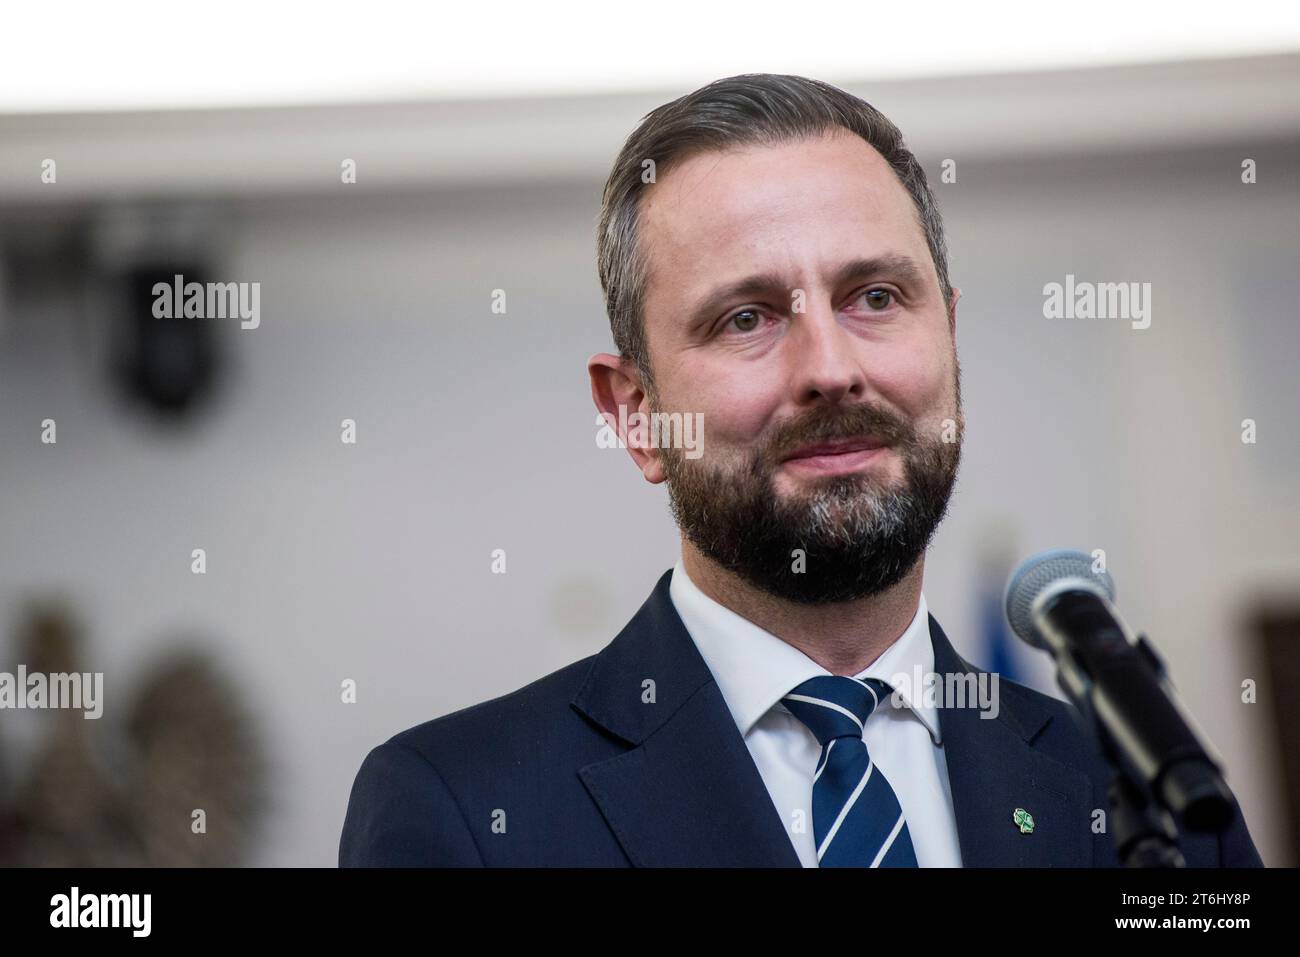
(999, 643)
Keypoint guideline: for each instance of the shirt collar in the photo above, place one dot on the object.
(755, 669)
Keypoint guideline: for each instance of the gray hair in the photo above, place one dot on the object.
(751, 109)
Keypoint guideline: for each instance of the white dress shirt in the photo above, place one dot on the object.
(755, 669)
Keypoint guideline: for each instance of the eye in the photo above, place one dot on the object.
(877, 299)
(742, 323)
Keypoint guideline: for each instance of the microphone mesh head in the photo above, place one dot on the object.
(1040, 571)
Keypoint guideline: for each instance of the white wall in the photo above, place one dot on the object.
(477, 432)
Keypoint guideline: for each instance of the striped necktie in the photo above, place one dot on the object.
(857, 820)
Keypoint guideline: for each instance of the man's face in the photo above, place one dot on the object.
(814, 349)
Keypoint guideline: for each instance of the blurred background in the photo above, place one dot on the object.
(386, 175)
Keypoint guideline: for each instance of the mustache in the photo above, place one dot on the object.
(840, 423)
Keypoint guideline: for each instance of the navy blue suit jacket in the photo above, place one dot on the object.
(576, 769)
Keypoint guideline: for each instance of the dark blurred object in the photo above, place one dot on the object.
(100, 793)
(1277, 628)
(194, 748)
(169, 363)
(68, 810)
(97, 266)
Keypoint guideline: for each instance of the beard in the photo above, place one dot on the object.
(858, 534)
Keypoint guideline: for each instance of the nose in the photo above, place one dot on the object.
(826, 365)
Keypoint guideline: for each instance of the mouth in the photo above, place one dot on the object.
(844, 455)
(837, 447)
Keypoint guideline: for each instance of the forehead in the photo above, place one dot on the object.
(794, 208)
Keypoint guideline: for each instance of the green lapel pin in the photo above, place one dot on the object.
(1023, 820)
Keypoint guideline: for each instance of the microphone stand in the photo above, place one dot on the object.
(1144, 832)
(1144, 835)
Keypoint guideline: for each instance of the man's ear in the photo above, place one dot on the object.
(952, 310)
(623, 406)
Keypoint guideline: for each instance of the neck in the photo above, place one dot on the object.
(844, 638)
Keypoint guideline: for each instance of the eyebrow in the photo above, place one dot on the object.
(904, 268)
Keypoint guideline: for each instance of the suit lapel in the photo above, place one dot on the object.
(687, 793)
(993, 769)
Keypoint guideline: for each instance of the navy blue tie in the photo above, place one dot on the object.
(857, 820)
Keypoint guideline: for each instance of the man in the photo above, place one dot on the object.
(772, 260)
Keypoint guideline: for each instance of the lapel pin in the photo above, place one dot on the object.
(1023, 820)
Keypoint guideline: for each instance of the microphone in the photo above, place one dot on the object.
(1055, 601)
